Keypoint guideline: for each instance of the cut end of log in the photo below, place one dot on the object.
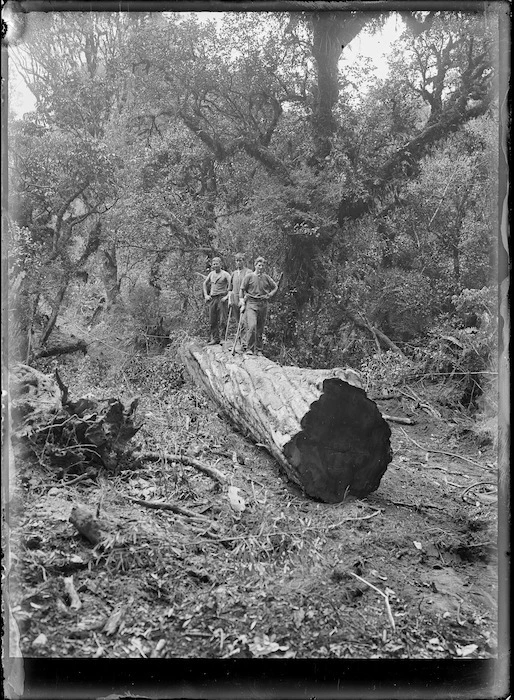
(343, 446)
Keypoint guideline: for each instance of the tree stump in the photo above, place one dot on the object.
(327, 436)
(92, 528)
(35, 399)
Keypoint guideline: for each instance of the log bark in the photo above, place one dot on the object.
(327, 436)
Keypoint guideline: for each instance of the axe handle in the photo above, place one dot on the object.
(228, 321)
(239, 325)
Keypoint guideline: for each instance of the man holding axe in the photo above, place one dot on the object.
(236, 280)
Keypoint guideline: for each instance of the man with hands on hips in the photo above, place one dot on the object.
(215, 291)
(256, 289)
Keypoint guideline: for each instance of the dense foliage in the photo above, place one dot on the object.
(161, 139)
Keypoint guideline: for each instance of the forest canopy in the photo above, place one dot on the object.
(159, 140)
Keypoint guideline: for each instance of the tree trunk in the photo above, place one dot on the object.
(331, 32)
(110, 275)
(328, 437)
(56, 307)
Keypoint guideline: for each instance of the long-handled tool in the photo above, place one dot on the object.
(239, 327)
(228, 321)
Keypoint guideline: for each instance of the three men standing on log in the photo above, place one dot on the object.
(247, 293)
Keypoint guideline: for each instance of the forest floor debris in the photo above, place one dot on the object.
(282, 577)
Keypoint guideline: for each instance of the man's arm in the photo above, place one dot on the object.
(229, 277)
(274, 289)
(206, 294)
(242, 290)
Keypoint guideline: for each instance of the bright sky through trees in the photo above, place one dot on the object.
(374, 47)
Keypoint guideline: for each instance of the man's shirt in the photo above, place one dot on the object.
(235, 283)
(257, 286)
(219, 282)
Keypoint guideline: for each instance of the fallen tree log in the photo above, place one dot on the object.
(79, 345)
(327, 436)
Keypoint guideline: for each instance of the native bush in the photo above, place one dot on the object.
(148, 309)
(24, 270)
(400, 302)
(382, 371)
(463, 345)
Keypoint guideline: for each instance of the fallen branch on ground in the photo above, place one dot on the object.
(377, 333)
(442, 452)
(398, 419)
(184, 459)
(416, 506)
(479, 483)
(429, 409)
(384, 596)
(160, 505)
(381, 397)
(87, 475)
(482, 544)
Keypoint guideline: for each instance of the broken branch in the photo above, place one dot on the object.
(87, 475)
(442, 452)
(184, 459)
(398, 419)
(384, 596)
(479, 483)
(160, 505)
(416, 506)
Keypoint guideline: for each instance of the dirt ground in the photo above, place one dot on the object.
(409, 572)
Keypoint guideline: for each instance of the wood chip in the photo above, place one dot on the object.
(114, 620)
(75, 603)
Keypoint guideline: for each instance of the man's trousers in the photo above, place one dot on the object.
(256, 313)
(217, 317)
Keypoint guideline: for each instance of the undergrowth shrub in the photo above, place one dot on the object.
(24, 272)
(157, 374)
(382, 371)
(149, 309)
(463, 345)
(399, 302)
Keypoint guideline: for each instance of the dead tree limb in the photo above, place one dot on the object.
(179, 510)
(184, 459)
(398, 419)
(74, 346)
(443, 452)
